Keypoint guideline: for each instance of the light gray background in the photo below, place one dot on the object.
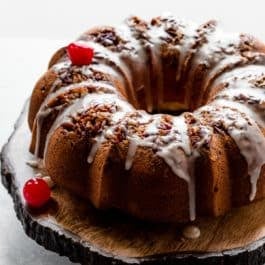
(30, 30)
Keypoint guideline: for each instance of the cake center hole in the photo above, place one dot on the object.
(175, 112)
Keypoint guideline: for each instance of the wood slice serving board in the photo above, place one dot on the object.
(73, 228)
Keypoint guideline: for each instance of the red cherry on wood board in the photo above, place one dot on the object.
(79, 53)
(36, 192)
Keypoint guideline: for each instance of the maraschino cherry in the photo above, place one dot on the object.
(80, 53)
(36, 192)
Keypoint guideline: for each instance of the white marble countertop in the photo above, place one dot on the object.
(29, 36)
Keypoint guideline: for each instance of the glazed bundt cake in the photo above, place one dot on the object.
(166, 123)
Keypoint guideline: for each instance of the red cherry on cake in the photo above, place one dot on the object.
(80, 53)
(36, 192)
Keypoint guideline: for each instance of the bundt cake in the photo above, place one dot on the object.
(165, 123)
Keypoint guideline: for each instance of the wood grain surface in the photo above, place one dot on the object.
(72, 227)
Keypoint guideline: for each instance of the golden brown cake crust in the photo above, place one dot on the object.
(88, 124)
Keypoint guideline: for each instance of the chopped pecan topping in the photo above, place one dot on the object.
(67, 97)
(139, 27)
(138, 23)
(94, 119)
(75, 93)
(247, 43)
(259, 81)
(165, 125)
(209, 25)
(241, 97)
(195, 135)
(175, 36)
(156, 21)
(111, 40)
(75, 74)
(247, 98)
(189, 118)
(173, 30)
(203, 31)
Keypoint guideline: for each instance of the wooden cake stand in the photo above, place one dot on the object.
(73, 228)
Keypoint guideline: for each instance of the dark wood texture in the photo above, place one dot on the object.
(73, 228)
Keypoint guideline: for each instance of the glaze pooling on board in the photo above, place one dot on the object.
(238, 108)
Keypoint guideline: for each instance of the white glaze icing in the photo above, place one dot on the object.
(38, 163)
(239, 72)
(130, 153)
(180, 162)
(219, 45)
(93, 150)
